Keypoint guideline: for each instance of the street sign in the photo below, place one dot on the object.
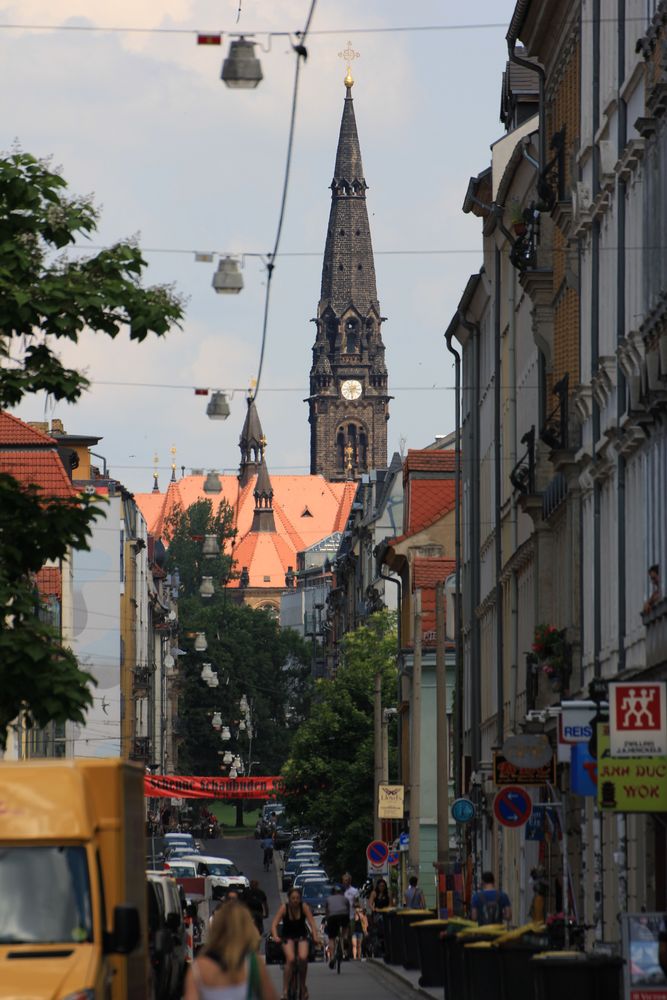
(583, 771)
(638, 719)
(627, 784)
(463, 810)
(575, 723)
(512, 806)
(374, 870)
(506, 773)
(527, 750)
(394, 858)
(377, 853)
(403, 841)
(390, 802)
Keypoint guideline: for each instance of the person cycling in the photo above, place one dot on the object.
(338, 919)
(295, 914)
(255, 900)
(267, 846)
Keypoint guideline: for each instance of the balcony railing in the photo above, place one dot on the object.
(554, 431)
(522, 476)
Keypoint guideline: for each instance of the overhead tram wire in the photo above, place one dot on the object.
(300, 52)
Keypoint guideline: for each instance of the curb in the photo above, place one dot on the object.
(393, 971)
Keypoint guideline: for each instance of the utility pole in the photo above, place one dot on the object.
(442, 727)
(415, 736)
(377, 741)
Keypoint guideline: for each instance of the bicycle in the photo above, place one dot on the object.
(268, 859)
(338, 954)
(295, 990)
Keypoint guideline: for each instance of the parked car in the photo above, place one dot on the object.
(173, 943)
(308, 874)
(223, 870)
(180, 868)
(294, 866)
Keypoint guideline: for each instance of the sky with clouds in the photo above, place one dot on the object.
(142, 121)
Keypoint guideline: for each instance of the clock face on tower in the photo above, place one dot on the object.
(351, 389)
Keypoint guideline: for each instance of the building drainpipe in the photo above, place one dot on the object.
(415, 739)
(500, 694)
(536, 68)
(399, 664)
(458, 623)
(473, 535)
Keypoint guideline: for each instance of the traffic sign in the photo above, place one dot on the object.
(512, 806)
(463, 810)
(377, 853)
(403, 841)
(394, 858)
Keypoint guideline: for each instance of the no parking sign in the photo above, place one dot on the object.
(512, 806)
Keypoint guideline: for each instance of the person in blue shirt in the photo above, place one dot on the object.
(490, 905)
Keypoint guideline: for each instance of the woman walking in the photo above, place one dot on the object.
(229, 968)
(359, 931)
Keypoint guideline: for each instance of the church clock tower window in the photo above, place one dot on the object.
(348, 401)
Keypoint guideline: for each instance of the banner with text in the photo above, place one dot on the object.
(196, 787)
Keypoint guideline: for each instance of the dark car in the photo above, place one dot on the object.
(315, 895)
(294, 865)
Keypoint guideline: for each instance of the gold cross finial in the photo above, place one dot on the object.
(173, 463)
(349, 55)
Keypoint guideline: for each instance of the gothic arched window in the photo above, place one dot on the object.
(351, 336)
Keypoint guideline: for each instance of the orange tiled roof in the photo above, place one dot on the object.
(14, 431)
(49, 581)
(423, 460)
(427, 571)
(266, 554)
(428, 501)
(39, 468)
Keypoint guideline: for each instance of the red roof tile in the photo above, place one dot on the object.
(15, 431)
(264, 553)
(428, 501)
(40, 468)
(423, 460)
(49, 581)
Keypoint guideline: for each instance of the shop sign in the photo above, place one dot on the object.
(583, 771)
(390, 802)
(575, 723)
(638, 719)
(630, 784)
(505, 773)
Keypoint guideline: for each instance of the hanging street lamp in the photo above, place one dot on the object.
(210, 548)
(241, 70)
(218, 407)
(206, 588)
(206, 672)
(200, 642)
(216, 722)
(227, 280)
(225, 735)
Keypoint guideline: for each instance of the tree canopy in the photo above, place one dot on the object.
(45, 298)
(246, 648)
(329, 775)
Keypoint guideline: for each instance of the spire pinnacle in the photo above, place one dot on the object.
(349, 55)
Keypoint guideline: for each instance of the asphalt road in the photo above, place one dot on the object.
(357, 980)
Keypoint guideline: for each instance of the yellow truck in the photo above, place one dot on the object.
(72, 884)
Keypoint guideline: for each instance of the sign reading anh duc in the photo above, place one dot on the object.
(390, 801)
(638, 719)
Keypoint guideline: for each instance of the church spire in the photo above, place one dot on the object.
(263, 519)
(252, 444)
(348, 399)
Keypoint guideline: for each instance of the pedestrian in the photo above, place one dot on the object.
(359, 931)
(490, 905)
(656, 594)
(255, 900)
(351, 894)
(414, 897)
(228, 968)
(379, 898)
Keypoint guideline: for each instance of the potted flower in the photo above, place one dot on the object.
(551, 650)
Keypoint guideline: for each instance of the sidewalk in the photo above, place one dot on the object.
(410, 977)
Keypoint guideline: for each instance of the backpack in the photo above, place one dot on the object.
(489, 909)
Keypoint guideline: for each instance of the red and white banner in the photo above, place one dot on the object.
(195, 787)
(638, 719)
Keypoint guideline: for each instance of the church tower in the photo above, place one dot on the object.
(348, 402)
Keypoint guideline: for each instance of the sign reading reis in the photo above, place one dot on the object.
(638, 719)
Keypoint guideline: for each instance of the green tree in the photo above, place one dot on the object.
(246, 647)
(329, 775)
(47, 298)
